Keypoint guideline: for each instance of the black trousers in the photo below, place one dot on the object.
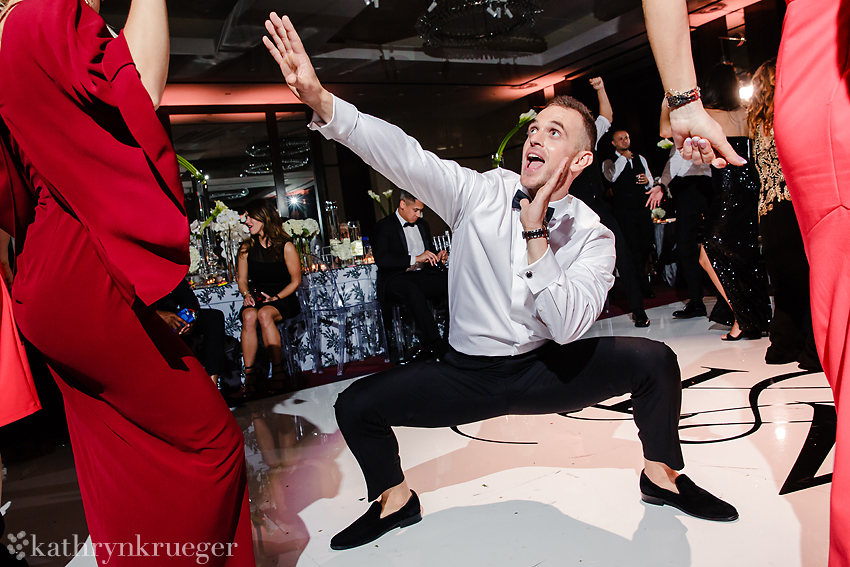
(636, 226)
(414, 290)
(555, 378)
(791, 336)
(691, 207)
(207, 340)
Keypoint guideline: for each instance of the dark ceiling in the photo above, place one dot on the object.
(359, 50)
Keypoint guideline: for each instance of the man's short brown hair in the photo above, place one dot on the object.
(589, 137)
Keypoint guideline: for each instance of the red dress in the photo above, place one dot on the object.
(811, 121)
(89, 182)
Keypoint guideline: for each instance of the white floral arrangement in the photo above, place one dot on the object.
(301, 228)
(342, 249)
(194, 259)
(658, 213)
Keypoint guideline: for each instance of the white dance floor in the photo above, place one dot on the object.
(546, 490)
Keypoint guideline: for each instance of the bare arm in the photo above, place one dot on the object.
(293, 266)
(242, 277)
(605, 108)
(147, 37)
(695, 134)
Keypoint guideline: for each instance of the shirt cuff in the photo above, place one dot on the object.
(542, 273)
(341, 124)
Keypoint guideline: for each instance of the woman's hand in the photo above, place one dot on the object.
(699, 138)
(248, 300)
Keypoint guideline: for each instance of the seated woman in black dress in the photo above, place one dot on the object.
(268, 274)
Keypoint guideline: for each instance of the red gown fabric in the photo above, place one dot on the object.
(89, 181)
(811, 119)
(19, 397)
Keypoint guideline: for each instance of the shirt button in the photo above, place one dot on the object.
(529, 274)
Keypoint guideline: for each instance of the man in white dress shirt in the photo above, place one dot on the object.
(524, 285)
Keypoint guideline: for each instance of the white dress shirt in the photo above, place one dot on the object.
(498, 303)
(677, 166)
(602, 126)
(415, 245)
(613, 168)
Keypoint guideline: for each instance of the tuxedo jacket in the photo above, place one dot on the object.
(389, 248)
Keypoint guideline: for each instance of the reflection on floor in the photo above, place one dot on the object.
(541, 490)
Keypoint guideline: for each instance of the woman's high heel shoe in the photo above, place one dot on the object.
(750, 335)
(250, 381)
(730, 337)
(277, 383)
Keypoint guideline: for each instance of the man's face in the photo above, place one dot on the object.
(552, 136)
(621, 141)
(410, 212)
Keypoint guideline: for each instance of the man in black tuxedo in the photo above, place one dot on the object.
(410, 271)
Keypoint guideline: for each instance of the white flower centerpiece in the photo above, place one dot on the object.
(231, 231)
(301, 232)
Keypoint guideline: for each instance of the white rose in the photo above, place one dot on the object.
(312, 226)
(194, 259)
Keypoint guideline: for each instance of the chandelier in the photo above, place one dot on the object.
(494, 28)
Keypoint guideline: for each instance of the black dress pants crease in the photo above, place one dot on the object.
(636, 226)
(554, 378)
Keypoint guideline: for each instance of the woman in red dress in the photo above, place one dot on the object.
(812, 111)
(89, 185)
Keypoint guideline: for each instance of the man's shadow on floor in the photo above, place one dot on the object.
(521, 532)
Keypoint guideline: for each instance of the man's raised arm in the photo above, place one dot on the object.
(288, 52)
(443, 185)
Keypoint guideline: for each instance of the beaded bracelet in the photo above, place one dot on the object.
(538, 233)
(675, 99)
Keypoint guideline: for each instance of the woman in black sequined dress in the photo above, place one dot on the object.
(730, 253)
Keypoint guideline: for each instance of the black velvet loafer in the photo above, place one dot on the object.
(370, 526)
(691, 500)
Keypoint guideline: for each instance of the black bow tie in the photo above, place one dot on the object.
(407, 224)
(519, 196)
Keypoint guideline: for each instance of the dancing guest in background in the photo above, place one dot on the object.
(268, 273)
(589, 188)
(531, 268)
(158, 455)
(791, 336)
(730, 253)
(812, 106)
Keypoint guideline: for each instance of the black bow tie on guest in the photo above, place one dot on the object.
(407, 224)
(519, 196)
